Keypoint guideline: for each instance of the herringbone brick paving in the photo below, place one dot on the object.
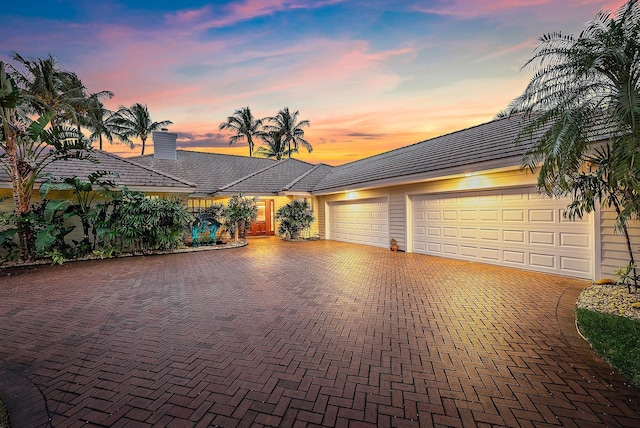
(299, 334)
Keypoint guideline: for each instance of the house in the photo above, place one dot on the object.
(462, 195)
(217, 177)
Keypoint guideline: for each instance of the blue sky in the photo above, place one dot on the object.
(369, 75)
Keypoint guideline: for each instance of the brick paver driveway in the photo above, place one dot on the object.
(294, 334)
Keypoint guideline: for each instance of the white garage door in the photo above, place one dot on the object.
(360, 222)
(515, 227)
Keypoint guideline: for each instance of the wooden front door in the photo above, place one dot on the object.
(261, 226)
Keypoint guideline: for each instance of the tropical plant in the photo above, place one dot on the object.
(84, 192)
(244, 126)
(585, 87)
(30, 145)
(286, 124)
(134, 121)
(240, 213)
(276, 146)
(294, 217)
(48, 90)
(133, 221)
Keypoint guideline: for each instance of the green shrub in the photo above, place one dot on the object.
(240, 212)
(133, 221)
(294, 217)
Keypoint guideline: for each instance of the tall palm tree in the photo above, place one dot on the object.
(135, 121)
(287, 123)
(586, 86)
(245, 126)
(48, 89)
(97, 121)
(276, 145)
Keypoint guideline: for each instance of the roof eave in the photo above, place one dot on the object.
(497, 165)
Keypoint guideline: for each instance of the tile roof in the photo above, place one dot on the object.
(128, 173)
(308, 181)
(486, 142)
(209, 171)
(272, 179)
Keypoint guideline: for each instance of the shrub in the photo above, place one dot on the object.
(294, 217)
(133, 221)
(239, 214)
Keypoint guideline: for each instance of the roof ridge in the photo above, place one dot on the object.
(128, 160)
(296, 180)
(251, 175)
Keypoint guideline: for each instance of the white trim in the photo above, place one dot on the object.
(597, 242)
(327, 229)
(408, 223)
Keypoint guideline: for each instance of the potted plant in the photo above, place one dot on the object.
(393, 245)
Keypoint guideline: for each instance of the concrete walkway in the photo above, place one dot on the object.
(299, 334)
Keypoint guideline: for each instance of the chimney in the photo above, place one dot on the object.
(164, 144)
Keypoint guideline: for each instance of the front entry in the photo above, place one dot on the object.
(261, 226)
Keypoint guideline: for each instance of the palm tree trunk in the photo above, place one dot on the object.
(144, 140)
(627, 238)
(11, 149)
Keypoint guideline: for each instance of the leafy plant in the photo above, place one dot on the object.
(133, 221)
(239, 214)
(85, 192)
(294, 217)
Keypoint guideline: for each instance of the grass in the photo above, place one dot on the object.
(4, 416)
(616, 338)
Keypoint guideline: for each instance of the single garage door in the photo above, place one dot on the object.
(360, 222)
(515, 227)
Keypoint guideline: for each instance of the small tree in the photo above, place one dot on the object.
(240, 212)
(294, 217)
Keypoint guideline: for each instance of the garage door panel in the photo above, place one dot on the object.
(492, 254)
(575, 265)
(546, 261)
(542, 216)
(360, 222)
(449, 215)
(513, 227)
(516, 257)
(489, 215)
(489, 234)
(574, 240)
(450, 249)
(516, 236)
(542, 238)
(513, 215)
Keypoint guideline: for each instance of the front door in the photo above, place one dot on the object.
(261, 226)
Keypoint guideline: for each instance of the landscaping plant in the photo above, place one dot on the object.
(294, 218)
(240, 212)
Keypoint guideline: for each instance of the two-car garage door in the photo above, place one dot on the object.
(360, 222)
(515, 227)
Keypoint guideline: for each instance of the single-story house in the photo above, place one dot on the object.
(462, 195)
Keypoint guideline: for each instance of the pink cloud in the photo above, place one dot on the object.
(248, 9)
(465, 9)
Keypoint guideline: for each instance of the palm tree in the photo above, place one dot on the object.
(245, 126)
(48, 89)
(584, 87)
(276, 146)
(97, 121)
(287, 123)
(135, 121)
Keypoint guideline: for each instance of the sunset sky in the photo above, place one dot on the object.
(370, 76)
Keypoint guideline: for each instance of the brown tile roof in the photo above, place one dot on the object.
(128, 173)
(209, 171)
